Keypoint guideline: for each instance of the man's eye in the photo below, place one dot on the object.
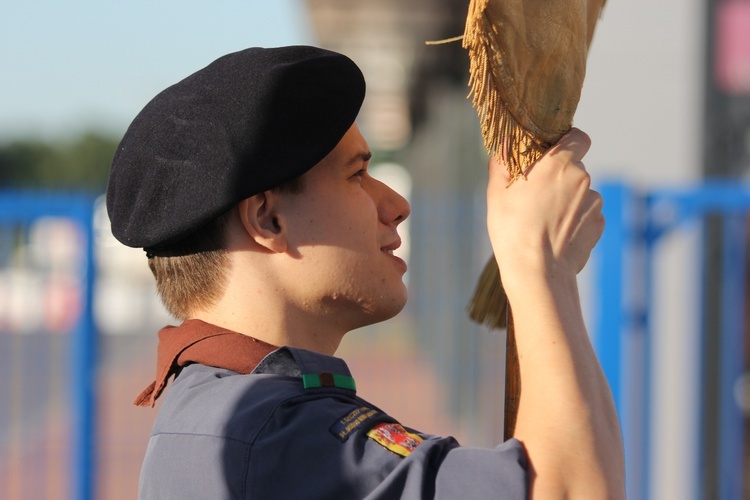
(360, 173)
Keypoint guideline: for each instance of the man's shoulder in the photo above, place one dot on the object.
(213, 401)
(276, 433)
(203, 400)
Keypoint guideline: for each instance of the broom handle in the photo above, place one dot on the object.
(512, 378)
(490, 306)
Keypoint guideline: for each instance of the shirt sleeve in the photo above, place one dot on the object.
(302, 448)
(470, 473)
(441, 469)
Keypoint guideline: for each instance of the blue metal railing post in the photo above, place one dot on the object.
(24, 208)
(83, 357)
(613, 320)
(732, 356)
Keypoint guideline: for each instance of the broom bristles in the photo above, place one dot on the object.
(489, 305)
(504, 137)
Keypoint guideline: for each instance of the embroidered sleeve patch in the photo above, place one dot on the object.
(395, 438)
(352, 421)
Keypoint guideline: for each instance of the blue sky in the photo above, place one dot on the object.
(84, 64)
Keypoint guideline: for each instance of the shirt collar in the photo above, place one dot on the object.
(196, 341)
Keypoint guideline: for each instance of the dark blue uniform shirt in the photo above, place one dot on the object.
(295, 429)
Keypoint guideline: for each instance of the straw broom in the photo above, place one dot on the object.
(527, 64)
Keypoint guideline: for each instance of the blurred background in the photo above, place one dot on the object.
(666, 101)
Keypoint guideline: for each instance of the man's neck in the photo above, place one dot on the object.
(280, 329)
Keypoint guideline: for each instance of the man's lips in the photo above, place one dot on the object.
(389, 249)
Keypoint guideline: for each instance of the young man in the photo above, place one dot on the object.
(247, 185)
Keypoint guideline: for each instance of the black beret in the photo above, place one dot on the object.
(246, 123)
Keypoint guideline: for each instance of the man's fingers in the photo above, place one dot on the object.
(571, 148)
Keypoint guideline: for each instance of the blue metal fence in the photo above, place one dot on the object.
(23, 209)
(624, 334)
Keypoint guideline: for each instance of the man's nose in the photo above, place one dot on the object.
(392, 207)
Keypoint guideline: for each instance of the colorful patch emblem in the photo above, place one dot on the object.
(394, 437)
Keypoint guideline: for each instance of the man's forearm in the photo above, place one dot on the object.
(566, 419)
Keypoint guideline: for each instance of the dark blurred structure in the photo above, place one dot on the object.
(726, 156)
(78, 164)
(387, 39)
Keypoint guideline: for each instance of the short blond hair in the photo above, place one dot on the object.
(191, 275)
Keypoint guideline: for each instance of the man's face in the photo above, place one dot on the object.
(341, 234)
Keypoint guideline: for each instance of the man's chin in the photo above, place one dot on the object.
(389, 309)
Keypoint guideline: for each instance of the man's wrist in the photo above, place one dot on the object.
(534, 271)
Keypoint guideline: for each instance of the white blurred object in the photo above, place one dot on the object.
(41, 283)
(399, 179)
(126, 301)
(741, 391)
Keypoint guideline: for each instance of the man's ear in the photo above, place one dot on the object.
(259, 218)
